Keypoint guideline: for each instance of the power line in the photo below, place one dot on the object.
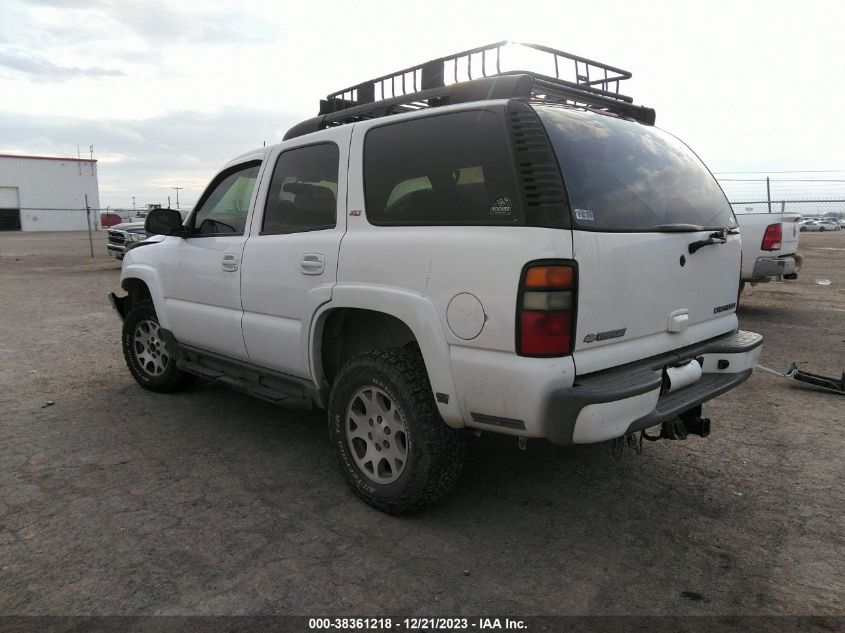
(781, 180)
(789, 171)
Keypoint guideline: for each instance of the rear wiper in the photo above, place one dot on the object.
(717, 237)
(679, 228)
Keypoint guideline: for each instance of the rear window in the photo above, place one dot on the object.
(624, 175)
(444, 169)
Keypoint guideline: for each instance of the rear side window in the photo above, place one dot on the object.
(623, 175)
(303, 191)
(444, 169)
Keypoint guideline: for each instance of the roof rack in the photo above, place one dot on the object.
(483, 73)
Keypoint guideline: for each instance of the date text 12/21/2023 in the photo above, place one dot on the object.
(415, 624)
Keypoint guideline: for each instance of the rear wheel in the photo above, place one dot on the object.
(393, 447)
(148, 356)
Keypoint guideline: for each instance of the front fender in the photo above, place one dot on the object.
(150, 276)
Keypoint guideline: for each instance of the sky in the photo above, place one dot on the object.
(167, 92)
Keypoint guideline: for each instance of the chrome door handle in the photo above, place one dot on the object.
(312, 264)
(229, 263)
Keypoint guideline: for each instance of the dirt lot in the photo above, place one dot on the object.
(114, 500)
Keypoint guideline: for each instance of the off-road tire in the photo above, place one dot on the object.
(171, 378)
(435, 451)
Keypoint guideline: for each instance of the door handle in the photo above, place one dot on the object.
(312, 264)
(229, 263)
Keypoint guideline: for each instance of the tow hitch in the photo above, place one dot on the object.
(688, 423)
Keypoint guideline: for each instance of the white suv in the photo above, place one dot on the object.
(520, 254)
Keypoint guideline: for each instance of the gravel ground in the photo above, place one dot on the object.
(114, 500)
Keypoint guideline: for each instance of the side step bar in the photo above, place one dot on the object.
(282, 389)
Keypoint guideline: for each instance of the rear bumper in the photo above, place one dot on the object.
(767, 267)
(625, 399)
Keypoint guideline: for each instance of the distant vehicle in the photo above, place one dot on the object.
(809, 225)
(109, 219)
(769, 246)
(122, 235)
(828, 224)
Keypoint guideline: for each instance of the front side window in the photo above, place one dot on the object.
(223, 210)
(303, 191)
(453, 169)
(623, 175)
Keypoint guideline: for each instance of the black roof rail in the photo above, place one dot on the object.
(476, 75)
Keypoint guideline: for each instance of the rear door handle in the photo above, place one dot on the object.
(229, 263)
(312, 264)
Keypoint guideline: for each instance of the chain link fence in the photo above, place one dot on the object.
(806, 208)
(811, 197)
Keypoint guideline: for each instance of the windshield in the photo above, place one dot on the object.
(625, 175)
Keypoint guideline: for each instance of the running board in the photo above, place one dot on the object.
(281, 389)
(824, 383)
(814, 380)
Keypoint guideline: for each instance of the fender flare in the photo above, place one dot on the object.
(417, 312)
(149, 276)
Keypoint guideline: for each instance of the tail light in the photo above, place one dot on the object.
(546, 310)
(772, 238)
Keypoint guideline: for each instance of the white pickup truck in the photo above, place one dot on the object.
(516, 254)
(769, 246)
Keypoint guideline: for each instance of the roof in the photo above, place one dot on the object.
(67, 160)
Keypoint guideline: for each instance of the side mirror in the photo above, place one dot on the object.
(164, 222)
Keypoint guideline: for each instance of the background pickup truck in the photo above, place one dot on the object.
(769, 246)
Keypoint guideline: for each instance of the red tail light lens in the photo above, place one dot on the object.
(772, 238)
(545, 310)
(546, 333)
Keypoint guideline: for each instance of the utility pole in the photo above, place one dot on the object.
(769, 194)
(133, 203)
(168, 202)
(177, 195)
(88, 222)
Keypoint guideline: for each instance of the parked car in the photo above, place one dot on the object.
(769, 246)
(120, 236)
(827, 224)
(110, 219)
(810, 225)
(416, 266)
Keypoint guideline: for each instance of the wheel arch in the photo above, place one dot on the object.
(370, 318)
(143, 280)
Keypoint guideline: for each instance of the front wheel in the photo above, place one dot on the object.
(148, 356)
(393, 447)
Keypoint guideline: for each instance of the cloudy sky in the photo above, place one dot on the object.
(168, 91)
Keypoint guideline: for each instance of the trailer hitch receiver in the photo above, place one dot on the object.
(688, 423)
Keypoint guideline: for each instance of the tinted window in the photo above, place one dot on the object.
(443, 169)
(624, 175)
(303, 191)
(224, 209)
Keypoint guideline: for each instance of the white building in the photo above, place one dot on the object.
(41, 193)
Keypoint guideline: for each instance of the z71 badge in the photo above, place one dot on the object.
(603, 336)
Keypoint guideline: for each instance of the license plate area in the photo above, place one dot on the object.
(680, 375)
